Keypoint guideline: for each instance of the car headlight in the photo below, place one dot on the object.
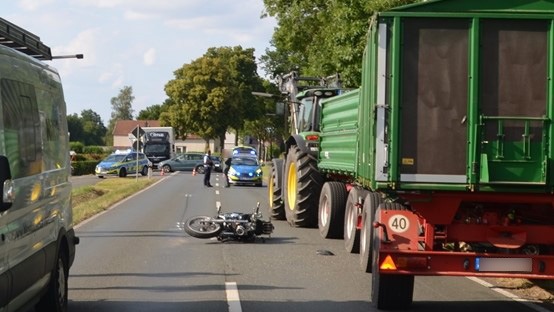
(259, 172)
(232, 171)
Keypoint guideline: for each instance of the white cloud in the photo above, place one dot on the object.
(133, 15)
(32, 5)
(112, 75)
(149, 57)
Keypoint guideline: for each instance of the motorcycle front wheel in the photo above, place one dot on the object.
(202, 227)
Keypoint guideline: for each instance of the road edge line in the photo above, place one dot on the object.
(528, 303)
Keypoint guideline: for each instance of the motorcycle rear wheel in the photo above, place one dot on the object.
(202, 227)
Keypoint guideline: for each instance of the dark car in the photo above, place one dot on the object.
(217, 163)
(182, 162)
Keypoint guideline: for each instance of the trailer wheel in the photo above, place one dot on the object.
(275, 193)
(352, 219)
(388, 291)
(331, 209)
(301, 187)
(371, 202)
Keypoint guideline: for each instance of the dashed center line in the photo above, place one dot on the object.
(233, 298)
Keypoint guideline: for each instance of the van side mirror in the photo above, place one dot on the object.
(6, 185)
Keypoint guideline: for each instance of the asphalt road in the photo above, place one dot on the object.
(134, 257)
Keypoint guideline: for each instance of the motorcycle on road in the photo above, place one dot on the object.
(230, 226)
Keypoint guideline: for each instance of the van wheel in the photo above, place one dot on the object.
(55, 299)
(122, 173)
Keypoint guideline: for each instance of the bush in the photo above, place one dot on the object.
(84, 167)
(94, 150)
(77, 147)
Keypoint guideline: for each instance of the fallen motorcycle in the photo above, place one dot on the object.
(236, 226)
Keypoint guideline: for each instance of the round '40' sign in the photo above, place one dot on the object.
(399, 223)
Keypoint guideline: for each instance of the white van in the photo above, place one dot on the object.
(37, 240)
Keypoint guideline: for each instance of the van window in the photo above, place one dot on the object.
(54, 130)
(21, 127)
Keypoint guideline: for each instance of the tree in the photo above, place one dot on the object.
(321, 37)
(150, 113)
(75, 128)
(87, 129)
(93, 127)
(122, 109)
(214, 93)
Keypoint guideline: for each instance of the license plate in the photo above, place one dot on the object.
(504, 264)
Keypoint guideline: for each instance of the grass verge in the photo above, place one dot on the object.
(90, 200)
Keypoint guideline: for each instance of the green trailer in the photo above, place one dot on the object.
(441, 162)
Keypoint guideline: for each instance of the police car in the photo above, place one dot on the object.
(122, 163)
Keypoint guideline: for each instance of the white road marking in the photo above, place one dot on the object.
(233, 298)
(528, 303)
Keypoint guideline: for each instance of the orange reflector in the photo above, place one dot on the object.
(388, 264)
(312, 137)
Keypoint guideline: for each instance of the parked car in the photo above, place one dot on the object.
(217, 163)
(189, 161)
(122, 163)
(183, 162)
(245, 170)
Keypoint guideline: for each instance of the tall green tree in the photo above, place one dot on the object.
(321, 37)
(87, 128)
(214, 93)
(122, 109)
(75, 128)
(150, 113)
(93, 127)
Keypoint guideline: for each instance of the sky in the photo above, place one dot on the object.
(137, 43)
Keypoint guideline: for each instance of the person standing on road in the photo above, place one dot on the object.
(226, 171)
(208, 163)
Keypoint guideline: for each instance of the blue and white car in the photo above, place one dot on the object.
(245, 170)
(122, 163)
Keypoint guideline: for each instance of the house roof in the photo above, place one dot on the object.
(124, 127)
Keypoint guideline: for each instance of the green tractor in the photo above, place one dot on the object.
(295, 182)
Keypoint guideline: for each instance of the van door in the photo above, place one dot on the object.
(23, 148)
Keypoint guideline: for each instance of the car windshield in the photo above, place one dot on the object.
(156, 148)
(115, 158)
(244, 162)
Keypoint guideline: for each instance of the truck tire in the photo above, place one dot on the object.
(388, 291)
(371, 202)
(331, 209)
(352, 219)
(275, 194)
(301, 188)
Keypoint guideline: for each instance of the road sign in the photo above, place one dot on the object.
(138, 130)
(137, 145)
